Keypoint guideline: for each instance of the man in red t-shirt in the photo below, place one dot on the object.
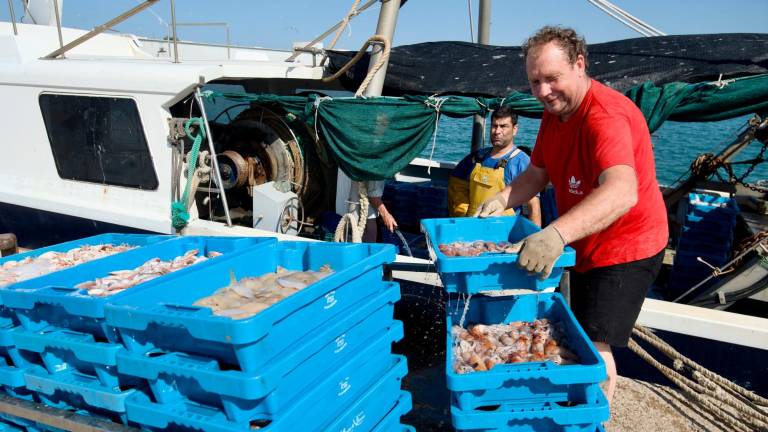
(595, 148)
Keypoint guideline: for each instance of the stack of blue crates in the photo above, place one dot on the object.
(410, 202)
(432, 200)
(318, 360)
(14, 362)
(401, 199)
(63, 350)
(517, 397)
(706, 233)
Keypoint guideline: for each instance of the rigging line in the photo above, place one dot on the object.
(29, 14)
(638, 21)
(620, 18)
(159, 18)
(471, 25)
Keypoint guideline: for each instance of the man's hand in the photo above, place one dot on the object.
(389, 221)
(493, 207)
(540, 251)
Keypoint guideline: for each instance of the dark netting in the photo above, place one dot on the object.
(473, 69)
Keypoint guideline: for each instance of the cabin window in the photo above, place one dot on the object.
(98, 140)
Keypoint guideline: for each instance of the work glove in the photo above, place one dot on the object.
(493, 207)
(540, 251)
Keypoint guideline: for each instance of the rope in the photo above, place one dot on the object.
(345, 22)
(732, 404)
(318, 101)
(436, 103)
(689, 388)
(670, 352)
(706, 164)
(372, 71)
(356, 221)
(373, 39)
(179, 209)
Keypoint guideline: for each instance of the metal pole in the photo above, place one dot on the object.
(484, 22)
(229, 44)
(173, 31)
(58, 25)
(97, 30)
(214, 162)
(13, 17)
(483, 37)
(386, 28)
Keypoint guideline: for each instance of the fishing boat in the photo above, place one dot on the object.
(128, 134)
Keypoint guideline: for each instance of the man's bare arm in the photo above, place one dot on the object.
(534, 206)
(525, 186)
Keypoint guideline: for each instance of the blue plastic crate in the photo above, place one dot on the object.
(716, 228)
(74, 391)
(487, 271)
(391, 422)
(690, 259)
(375, 410)
(692, 242)
(723, 236)
(311, 412)
(53, 300)
(9, 424)
(165, 318)
(137, 240)
(12, 423)
(12, 381)
(706, 203)
(61, 350)
(519, 381)
(534, 417)
(6, 316)
(175, 376)
(290, 387)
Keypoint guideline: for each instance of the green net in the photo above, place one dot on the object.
(374, 138)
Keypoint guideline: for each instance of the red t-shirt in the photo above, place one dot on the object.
(607, 130)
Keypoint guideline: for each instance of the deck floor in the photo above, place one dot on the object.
(641, 406)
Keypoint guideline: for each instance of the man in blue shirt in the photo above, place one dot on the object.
(485, 172)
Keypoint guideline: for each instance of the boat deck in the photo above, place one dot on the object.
(641, 406)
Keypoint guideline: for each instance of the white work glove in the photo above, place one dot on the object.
(540, 251)
(493, 207)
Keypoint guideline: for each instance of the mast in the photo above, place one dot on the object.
(483, 37)
(386, 28)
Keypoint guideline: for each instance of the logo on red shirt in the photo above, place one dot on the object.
(574, 185)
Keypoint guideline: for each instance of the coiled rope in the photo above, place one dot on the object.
(706, 164)
(731, 404)
(355, 220)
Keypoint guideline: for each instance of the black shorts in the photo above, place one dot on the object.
(607, 300)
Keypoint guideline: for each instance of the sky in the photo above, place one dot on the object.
(277, 24)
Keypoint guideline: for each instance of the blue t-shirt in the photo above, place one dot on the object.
(515, 166)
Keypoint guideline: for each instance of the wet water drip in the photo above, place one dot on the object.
(464, 312)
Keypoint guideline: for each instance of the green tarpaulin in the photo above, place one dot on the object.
(374, 138)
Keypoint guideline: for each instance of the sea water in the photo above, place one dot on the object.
(675, 144)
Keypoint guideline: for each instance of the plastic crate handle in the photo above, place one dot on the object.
(63, 289)
(184, 309)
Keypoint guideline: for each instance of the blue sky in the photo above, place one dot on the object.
(272, 24)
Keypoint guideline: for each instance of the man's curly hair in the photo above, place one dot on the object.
(566, 38)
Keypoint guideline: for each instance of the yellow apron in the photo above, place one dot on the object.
(486, 182)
